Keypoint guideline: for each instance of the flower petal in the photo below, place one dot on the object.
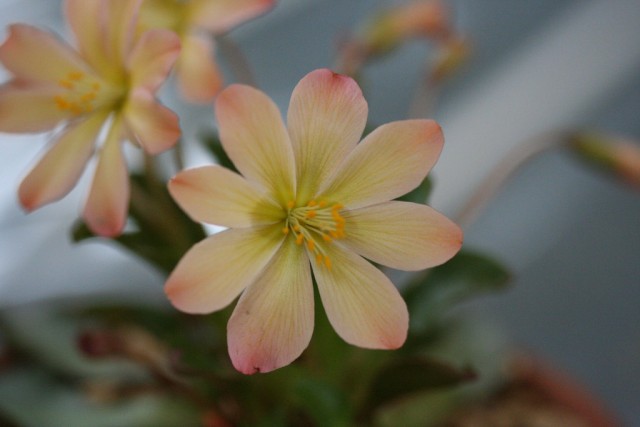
(26, 50)
(402, 235)
(29, 109)
(154, 127)
(198, 75)
(152, 58)
(120, 17)
(105, 211)
(255, 138)
(221, 15)
(362, 304)
(217, 269)
(326, 117)
(391, 161)
(86, 19)
(60, 168)
(215, 195)
(273, 321)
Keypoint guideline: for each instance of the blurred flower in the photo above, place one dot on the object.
(610, 154)
(110, 81)
(452, 53)
(198, 75)
(419, 18)
(309, 196)
(394, 26)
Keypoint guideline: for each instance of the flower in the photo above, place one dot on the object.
(108, 83)
(309, 198)
(198, 75)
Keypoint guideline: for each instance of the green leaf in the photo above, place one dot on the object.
(32, 398)
(420, 194)
(411, 376)
(322, 402)
(212, 142)
(465, 276)
(163, 231)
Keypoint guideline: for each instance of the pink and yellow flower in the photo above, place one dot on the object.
(198, 75)
(108, 84)
(310, 198)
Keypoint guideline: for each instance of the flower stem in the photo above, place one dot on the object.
(505, 170)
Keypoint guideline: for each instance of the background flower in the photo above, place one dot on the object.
(196, 21)
(107, 84)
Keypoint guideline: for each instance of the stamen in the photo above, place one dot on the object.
(315, 224)
(76, 75)
(79, 94)
(327, 262)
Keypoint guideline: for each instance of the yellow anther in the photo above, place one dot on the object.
(291, 204)
(61, 103)
(95, 86)
(322, 203)
(311, 214)
(327, 262)
(66, 84)
(326, 238)
(299, 239)
(76, 75)
(296, 227)
(90, 96)
(285, 230)
(319, 258)
(312, 203)
(337, 207)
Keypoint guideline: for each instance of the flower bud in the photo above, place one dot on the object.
(613, 155)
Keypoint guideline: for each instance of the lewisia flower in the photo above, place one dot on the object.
(109, 82)
(310, 198)
(198, 75)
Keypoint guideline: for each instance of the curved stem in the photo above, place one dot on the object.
(504, 171)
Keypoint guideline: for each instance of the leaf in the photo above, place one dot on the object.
(322, 402)
(467, 275)
(420, 194)
(164, 232)
(212, 142)
(32, 398)
(411, 376)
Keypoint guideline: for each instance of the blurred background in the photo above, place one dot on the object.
(570, 236)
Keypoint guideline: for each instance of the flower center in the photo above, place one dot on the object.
(314, 222)
(79, 93)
